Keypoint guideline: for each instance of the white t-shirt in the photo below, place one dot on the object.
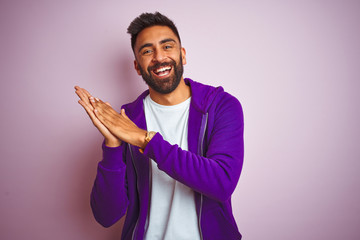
(172, 212)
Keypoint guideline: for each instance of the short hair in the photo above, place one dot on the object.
(146, 20)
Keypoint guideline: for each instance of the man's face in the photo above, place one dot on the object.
(159, 58)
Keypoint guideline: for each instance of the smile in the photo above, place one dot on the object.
(162, 71)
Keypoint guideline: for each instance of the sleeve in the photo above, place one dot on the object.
(216, 174)
(109, 198)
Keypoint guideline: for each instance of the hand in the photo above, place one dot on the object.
(110, 139)
(118, 124)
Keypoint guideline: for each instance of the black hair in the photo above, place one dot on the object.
(146, 20)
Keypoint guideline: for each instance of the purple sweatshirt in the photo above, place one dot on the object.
(211, 166)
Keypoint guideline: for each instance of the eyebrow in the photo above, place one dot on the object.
(161, 42)
(167, 40)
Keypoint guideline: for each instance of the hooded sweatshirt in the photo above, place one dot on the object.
(211, 166)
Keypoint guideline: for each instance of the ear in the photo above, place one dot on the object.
(136, 66)
(183, 52)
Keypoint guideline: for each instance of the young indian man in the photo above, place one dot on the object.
(173, 157)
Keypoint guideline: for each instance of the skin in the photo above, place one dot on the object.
(157, 44)
(150, 49)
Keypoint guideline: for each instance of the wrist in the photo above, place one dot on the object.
(148, 136)
(138, 139)
(112, 142)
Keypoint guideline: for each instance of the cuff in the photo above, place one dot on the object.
(112, 157)
(150, 147)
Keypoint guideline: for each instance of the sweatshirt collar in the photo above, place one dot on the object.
(201, 98)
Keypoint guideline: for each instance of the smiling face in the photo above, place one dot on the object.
(159, 58)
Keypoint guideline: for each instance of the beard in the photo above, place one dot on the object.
(165, 85)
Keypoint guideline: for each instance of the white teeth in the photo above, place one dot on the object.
(162, 69)
(161, 74)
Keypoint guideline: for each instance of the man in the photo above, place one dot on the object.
(173, 157)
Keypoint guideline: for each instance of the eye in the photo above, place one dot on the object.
(146, 52)
(167, 47)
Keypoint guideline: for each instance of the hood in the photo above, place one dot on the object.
(202, 95)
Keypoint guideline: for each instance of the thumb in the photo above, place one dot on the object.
(124, 114)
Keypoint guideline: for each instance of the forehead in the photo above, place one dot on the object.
(154, 35)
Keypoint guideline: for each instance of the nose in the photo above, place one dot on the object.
(159, 56)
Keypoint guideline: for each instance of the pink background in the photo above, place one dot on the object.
(294, 65)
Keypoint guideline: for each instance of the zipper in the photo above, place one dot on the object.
(149, 202)
(201, 203)
(203, 135)
(201, 152)
(137, 187)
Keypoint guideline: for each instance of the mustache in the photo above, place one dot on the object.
(163, 64)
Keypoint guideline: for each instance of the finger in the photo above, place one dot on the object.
(95, 119)
(86, 92)
(81, 94)
(106, 114)
(93, 102)
(100, 117)
(103, 107)
(124, 114)
(89, 110)
(99, 108)
(77, 88)
(83, 90)
(84, 99)
(97, 123)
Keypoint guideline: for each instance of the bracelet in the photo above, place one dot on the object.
(149, 135)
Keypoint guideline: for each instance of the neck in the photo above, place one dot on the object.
(180, 94)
